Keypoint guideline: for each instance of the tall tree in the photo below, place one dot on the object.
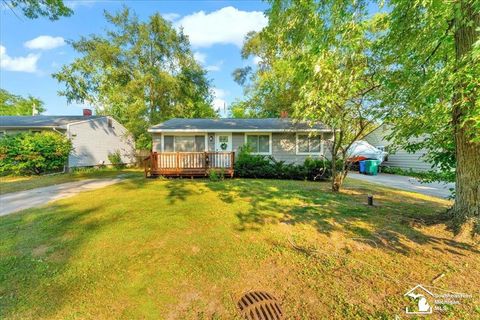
(432, 88)
(15, 105)
(139, 72)
(316, 62)
(32, 9)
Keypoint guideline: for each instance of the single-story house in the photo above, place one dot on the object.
(399, 158)
(282, 138)
(94, 138)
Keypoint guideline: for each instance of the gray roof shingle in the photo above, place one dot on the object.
(40, 121)
(236, 125)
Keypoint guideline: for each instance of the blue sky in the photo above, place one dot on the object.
(31, 50)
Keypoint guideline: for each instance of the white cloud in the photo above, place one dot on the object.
(45, 43)
(72, 4)
(21, 64)
(170, 16)
(225, 26)
(218, 99)
(200, 57)
(214, 67)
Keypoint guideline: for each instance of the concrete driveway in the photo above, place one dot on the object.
(16, 201)
(440, 190)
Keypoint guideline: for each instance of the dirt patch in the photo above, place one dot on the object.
(40, 251)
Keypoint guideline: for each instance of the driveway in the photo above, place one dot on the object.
(16, 201)
(440, 190)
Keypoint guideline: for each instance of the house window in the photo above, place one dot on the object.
(184, 143)
(307, 144)
(259, 143)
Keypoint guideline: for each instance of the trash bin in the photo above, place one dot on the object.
(371, 167)
(361, 165)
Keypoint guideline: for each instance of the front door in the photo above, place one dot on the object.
(223, 142)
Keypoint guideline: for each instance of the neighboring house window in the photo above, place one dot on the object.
(307, 144)
(183, 143)
(259, 143)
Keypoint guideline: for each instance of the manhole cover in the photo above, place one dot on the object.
(259, 305)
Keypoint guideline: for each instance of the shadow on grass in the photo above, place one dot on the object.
(297, 202)
(35, 248)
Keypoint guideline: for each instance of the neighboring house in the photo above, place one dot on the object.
(400, 158)
(94, 138)
(281, 138)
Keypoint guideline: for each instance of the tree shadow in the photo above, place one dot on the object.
(384, 226)
(178, 191)
(37, 247)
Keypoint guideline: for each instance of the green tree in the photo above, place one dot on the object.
(15, 105)
(139, 72)
(432, 88)
(316, 62)
(33, 9)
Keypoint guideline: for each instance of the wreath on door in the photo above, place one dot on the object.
(223, 146)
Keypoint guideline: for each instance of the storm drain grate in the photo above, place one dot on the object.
(259, 305)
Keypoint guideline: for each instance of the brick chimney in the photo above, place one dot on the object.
(283, 114)
(87, 112)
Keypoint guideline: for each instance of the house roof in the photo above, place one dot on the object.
(41, 121)
(236, 125)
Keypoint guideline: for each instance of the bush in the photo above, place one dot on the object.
(33, 153)
(115, 159)
(258, 166)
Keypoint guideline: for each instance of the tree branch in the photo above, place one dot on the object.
(450, 25)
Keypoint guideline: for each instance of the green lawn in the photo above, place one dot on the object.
(20, 183)
(188, 249)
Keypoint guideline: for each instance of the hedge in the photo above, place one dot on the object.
(249, 165)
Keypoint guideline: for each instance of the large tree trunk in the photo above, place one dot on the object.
(467, 197)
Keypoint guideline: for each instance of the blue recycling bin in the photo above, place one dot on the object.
(362, 166)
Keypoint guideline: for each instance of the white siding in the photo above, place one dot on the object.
(401, 158)
(93, 140)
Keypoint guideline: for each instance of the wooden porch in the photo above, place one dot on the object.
(188, 164)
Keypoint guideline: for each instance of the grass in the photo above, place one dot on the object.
(188, 249)
(19, 183)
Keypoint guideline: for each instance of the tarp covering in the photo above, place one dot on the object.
(361, 150)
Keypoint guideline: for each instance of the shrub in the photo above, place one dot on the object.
(33, 153)
(115, 159)
(424, 176)
(214, 176)
(258, 166)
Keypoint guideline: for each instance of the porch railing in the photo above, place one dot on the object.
(188, 163)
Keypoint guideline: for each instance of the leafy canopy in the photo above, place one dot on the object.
(33, 9)
(15, 105)
(316, 63)
(141, 73)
